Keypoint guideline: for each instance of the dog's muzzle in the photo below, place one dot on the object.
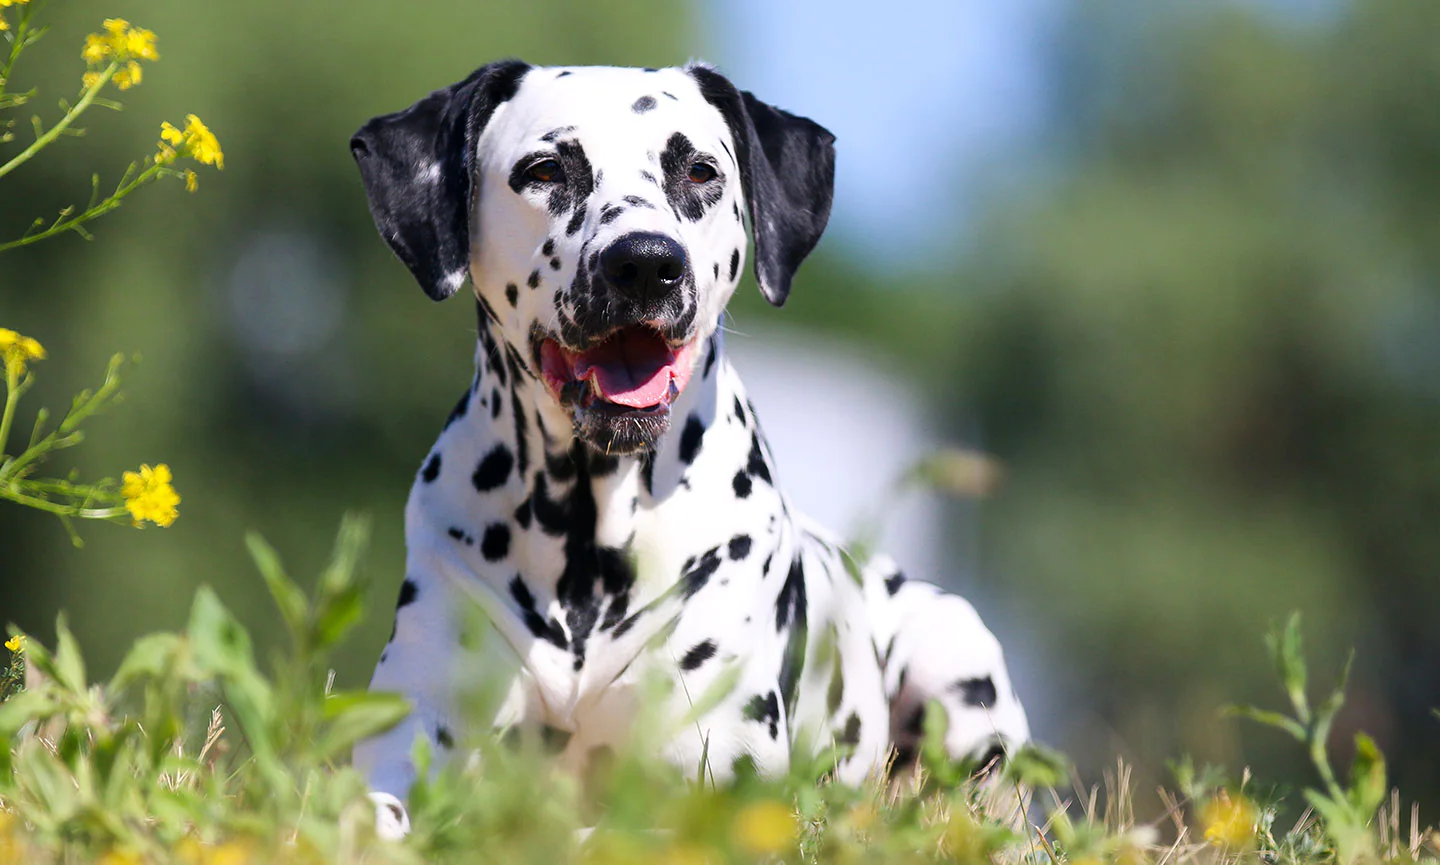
(620, 381)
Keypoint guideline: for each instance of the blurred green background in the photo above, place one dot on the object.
(1195, 316)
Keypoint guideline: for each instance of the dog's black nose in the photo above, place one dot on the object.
(643, 265)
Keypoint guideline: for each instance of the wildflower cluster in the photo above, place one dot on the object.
(17, 352)
(123, 46)
(195, 141)
(149, 495)
(115, 55)
(144, 496)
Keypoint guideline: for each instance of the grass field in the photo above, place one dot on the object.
(193, 752)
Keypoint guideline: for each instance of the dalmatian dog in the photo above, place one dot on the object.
(602, 491)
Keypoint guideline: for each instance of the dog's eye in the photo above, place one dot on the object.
(701, 172)
(545, 171)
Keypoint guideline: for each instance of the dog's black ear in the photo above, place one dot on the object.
(787, 169)
(418, 166)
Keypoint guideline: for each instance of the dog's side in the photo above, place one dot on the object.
(602, 491)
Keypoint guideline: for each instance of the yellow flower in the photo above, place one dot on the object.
(149, 495)
(16, 643)
(765, 827)
(96, 49)
(4, 3)
(195, 141)
(4, 25)
(129, 76)
(89, 79)
(140, 43)
(18, 351)
(203, 144)
(1229, 822)
(191, 181)
(123, 43)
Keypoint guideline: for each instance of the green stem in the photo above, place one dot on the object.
(64, 123)
(12, 382)
(59, 509)
(92, 213)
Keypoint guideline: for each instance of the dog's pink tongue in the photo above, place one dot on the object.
(631, 369)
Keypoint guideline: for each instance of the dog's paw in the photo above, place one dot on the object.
(391, 821)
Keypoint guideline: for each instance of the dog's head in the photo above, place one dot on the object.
(598, 212)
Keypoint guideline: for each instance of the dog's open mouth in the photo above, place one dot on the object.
(632, 370)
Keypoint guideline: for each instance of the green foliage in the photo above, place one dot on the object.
(194, 751)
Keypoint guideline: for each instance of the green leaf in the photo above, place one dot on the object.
(356, 715)
(336, 616)
(149, 657)
(68, 667)
(1037, 766)
(288, 598)
(1269, 719)
(1367, 777)
(1288, 654)
(714, 694)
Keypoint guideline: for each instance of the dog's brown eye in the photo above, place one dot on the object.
(701, 172)
(545, 171)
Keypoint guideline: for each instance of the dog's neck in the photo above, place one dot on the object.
(600, 534)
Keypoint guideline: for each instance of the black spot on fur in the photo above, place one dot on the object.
(431, 470)
(742, 484)
(494, 469)
(512, 293)
(717, 270)
(549, 247)
(643, 104)
(562, 74)
(739, 547)
(637, 201)
(650, 177)
(523, 515)
(462, 405)
(560, 466)
(790, 612)
(495, 545)
(408, 591)
(443, 737)
(756, 464)
(734, 264)
(554, 264)
(764, 709)
(691, 438)
(670, 95)
(710, 356)
(549, 631)
(534, 279)
(576, 220)
(522, 441)
(689, 199)
(979, 692)
(893, 583)
(553, 515)
(790, 605)
(698, 655)
(694, 577)
(850, 736)
(739, 410)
